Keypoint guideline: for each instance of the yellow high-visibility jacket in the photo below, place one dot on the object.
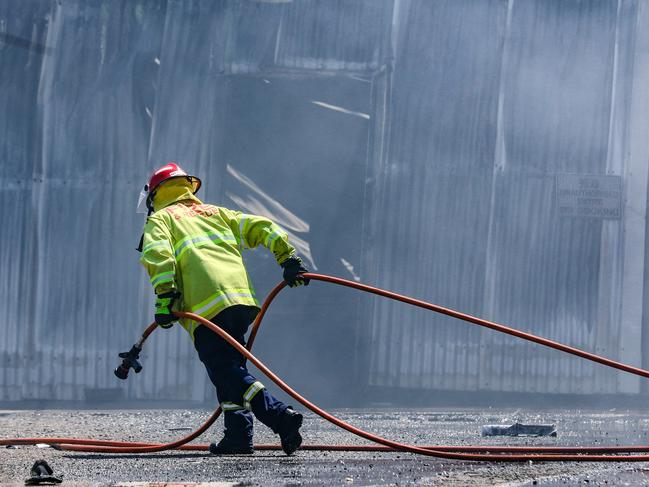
(195, 249)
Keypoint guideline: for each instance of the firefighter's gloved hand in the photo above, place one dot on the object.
(164, 303)
(293, 268)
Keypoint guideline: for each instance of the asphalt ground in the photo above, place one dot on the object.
(422, 426)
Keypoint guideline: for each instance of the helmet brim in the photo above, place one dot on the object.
(196, 183)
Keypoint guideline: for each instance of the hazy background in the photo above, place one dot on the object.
(438, 148)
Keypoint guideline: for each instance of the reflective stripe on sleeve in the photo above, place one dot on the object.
(230, 406)
(242, 229)
(251, 392)
(162, 277)
(153, 245)
(272, 239)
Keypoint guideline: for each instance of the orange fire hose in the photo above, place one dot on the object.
(481, 453)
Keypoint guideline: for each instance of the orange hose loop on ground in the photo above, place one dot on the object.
(505, 454)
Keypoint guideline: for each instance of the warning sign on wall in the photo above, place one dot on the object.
(589, 196)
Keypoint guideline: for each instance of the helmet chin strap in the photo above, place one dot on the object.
(149, 200)
(150, 210)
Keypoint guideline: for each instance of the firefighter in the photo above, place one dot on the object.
(192, 253)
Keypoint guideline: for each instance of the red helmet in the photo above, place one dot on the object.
(171, 170)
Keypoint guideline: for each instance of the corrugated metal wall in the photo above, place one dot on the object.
(540, 89)
(94, 96)
(436, 190)
(461, 114)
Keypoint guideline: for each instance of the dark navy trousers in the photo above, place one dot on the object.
(227, 370)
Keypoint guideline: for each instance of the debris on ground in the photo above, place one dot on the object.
(42, 474)
(519, 429)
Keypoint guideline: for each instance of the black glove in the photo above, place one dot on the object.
(293, 267)
(164, 303)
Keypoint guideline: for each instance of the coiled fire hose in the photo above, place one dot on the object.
(481, 453)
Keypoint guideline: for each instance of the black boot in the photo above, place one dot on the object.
(289, 430)
(225, 447)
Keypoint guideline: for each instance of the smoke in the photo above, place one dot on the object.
(416, 145)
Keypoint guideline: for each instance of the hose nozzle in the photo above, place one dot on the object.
(130, 360)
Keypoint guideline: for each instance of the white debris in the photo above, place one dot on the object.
(335, 108)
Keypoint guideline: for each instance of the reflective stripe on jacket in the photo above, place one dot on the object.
(195, 248)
